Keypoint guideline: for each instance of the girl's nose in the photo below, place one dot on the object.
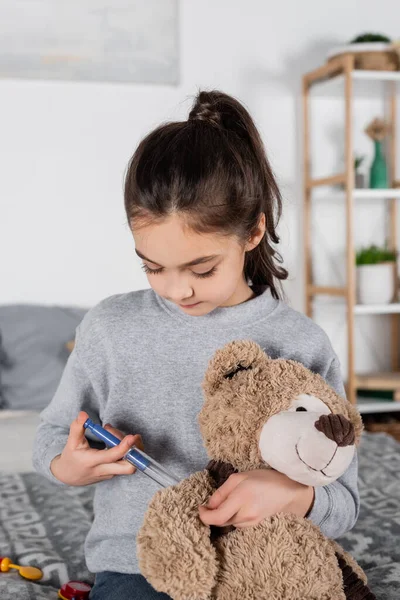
(178, 290)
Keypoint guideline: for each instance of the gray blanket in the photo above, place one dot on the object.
(45, 525)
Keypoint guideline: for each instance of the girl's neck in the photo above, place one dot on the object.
(243, 293)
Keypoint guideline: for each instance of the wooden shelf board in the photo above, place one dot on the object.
(324, 181)
(378, 381)
(318, 290)
(377, 309)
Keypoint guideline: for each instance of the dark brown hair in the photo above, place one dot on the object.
(211, 169)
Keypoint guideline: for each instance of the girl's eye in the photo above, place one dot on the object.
(207, 274)
(147, 270)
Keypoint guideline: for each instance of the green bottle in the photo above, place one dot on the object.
(378, 172)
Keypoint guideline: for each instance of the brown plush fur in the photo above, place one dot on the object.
(284, 557)
(287, 557)
(173, 537)
(235, 410)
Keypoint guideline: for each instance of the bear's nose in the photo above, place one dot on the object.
(337, 428)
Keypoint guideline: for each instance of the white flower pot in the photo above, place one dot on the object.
(375, 283)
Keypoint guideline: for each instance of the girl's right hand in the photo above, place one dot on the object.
(79, 464)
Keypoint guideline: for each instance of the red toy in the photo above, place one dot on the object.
(74, 590)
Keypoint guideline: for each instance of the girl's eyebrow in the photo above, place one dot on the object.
(196, 261)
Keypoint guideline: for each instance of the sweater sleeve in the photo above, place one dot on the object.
(336, 506)
(74, 393)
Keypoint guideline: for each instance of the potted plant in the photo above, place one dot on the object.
(371, 51)
(376, 271)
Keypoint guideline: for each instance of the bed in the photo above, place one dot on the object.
(45, 525)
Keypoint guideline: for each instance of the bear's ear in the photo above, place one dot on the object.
(235, 356)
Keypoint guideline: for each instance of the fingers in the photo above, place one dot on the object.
(76, 438)
(139, 441)
(223, 492)
(243, 524)
(138, 438)
(112, 455)
(224, 513)
(119, 468)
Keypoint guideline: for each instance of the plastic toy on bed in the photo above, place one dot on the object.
(74, 590)
(32, 573)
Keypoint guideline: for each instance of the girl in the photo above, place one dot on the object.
(203, 206)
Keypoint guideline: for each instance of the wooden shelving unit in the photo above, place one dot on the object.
(343, 67)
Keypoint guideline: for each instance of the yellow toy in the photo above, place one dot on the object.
(27, 572)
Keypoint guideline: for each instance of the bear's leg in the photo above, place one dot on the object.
(354, 587)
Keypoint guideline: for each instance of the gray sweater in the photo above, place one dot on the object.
(138, 364)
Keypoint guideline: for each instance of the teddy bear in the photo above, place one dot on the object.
(258, 413)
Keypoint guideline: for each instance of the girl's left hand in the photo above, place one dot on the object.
(246, 499)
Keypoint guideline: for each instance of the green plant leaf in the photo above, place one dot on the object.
(358, 160)
(370, 37)
(374, 255)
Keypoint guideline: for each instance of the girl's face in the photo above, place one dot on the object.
(198, 272)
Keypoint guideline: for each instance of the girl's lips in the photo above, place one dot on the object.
(189, 305)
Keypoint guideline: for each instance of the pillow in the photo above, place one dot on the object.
(34, 339)
(4, 362)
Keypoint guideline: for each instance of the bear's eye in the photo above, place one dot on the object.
(300, 408)
(238, 368)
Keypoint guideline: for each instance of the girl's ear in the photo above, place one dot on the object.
(257, 235)
(228, 360)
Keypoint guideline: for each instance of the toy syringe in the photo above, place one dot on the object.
(136, 457)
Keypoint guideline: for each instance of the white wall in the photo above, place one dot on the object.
(64, 146)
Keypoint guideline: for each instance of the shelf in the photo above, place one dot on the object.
(375, 392)
(334, 70)
(358, 193)
(377, 309)
(366, 406)
(376, 75)
(378, 381)
(376, 194)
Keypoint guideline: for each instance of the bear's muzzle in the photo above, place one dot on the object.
(336, 428)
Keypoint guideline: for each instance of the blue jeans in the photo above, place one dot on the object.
(120, 586)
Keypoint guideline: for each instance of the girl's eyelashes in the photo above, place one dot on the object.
(147, 270)
(207, 274)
